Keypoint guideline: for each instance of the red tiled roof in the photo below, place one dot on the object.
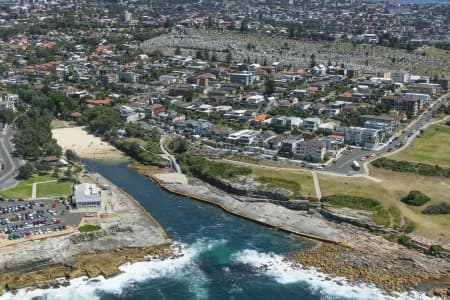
(98, 102)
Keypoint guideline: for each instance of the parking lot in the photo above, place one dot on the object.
(21, 219)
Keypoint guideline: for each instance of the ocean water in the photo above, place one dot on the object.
(223, 257)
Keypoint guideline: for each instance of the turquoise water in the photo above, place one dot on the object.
(224, 257)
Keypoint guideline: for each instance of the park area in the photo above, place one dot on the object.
(389, 191)
(431, 147)
(46, 186)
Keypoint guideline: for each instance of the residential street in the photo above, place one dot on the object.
(343, 164)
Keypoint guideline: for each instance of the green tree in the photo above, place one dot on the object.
(26, 171)
(71, 155)
(178, 51)
(229, 57)
(179, 145)
(269, 85)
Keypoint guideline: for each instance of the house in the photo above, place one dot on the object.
(245, 78)
(152, 111)
(298, 93)
(218, 132)
(312, 150)
(258, 119)
(333, 142)
(262, 138)
(288, 146)
(218, 96)
(348, 97)
(423, 88)
(385, 124)
(303, 105)
(399, 77)
(87, 195)
(318, 70)
(328, 127)
(255, 100)
(358, 136)
(127, 113)
(170, 117)
(409, 104)
(311, 124)
(243, 137)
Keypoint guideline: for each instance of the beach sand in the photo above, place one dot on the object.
(84, 144)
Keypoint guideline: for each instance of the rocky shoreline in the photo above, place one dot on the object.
(128, 234)
(394, 273)
(92, 265)
(357, 255)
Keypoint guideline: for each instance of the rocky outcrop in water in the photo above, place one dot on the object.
(394, 272)
(92, 265)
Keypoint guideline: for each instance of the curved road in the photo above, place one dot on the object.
(12, 164)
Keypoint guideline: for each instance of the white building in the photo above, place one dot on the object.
(87, 195)
(311, 124)
(312, 150)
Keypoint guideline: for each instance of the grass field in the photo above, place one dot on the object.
(393, 187)
(53, 189)
(261, 162)
(24, 187)
(432, 147)
(289, 178)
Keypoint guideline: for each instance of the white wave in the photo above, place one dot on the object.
(183, 268)
(326, 286)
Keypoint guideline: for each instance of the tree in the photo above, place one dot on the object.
(229, 57)
(26, 171)
(214, 56)
(7, 116)
(179, 145)
(189, 96)
(68, 174)
(270, 86)
(244, 25)
(198, 54)
(312, 61)
(178, 51)
(71, 155)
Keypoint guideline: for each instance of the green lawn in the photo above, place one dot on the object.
(432, 147)
(24, 187)
(393, 187)
(291, 180)
(19, 191)
(53, 189)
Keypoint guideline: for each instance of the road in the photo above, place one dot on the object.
(12, 164)
(343, 163)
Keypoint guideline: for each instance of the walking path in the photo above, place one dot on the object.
(364, 175)
(34, 188)
(169, 157)
(316, 185)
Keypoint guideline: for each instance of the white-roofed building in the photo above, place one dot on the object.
(87, 195)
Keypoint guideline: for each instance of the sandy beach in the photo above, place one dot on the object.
(84, 144)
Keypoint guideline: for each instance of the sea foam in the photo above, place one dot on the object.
(326, 286)
(182, 267)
